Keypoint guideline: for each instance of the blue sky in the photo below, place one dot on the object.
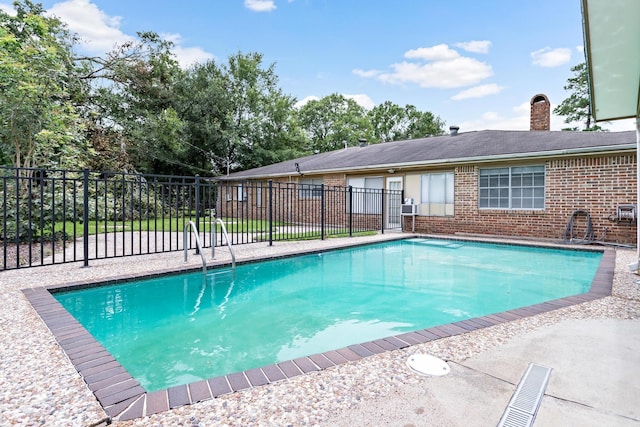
(476, 64)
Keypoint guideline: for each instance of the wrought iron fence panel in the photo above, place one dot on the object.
(60, 216)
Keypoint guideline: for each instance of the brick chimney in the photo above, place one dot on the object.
(540, 113)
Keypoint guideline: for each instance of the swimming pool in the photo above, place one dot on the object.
(179, 329)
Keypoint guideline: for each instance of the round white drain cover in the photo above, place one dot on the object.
(424, 364)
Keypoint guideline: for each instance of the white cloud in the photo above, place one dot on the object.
(305, 101)
(440, 52)
(98, 32)
(475, 46)
(612, 126)
(364, 73)
(496, 121)
(362, 100)
(478, 91)
(548, 57)
(620, 125)
(8, 9)
(187, 56)
(260, 5)
(519, 119)
(454, 73)
(433, 67)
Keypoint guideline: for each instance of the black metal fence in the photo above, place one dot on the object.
(60, 216)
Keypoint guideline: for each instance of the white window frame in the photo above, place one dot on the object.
(310, 188)
(259, 193)
(437, 193)
(366, 201)
(242, 194)
(512, 188)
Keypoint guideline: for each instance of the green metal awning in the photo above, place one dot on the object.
(612, 43)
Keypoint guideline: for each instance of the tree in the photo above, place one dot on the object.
(133, 105)
(39, 125)
(577, 107)
(391, 122)
(200, 102)
(334, 122)
(237, 116)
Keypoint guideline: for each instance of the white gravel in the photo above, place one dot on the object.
(39, 386)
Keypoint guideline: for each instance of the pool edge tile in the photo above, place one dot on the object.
(178, 396)
(256, 377)
(121, 396)
(273, 373)
(321, 361)
(114, 379)
(118, 387)
(360, 350)
(156, 402)
(116, 409)
(289, 368)
(335, 357)
(349, 354)
(134, 410)
(305, 364)
(238, 381)
(199, 391)
(219, 386)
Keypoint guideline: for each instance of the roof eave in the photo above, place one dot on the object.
(444, 162)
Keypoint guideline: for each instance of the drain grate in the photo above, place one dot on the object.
(525, 402)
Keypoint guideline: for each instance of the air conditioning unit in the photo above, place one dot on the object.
(408, 210)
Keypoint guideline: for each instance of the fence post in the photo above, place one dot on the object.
(322, 218)
(17, 237)
(401, 217)
(382, 211)
(197, 190)
(270, 212)
(85, 216)
(350, 211)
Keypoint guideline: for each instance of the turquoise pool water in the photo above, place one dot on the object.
(178, 329)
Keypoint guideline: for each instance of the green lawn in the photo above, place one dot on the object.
(161, 224)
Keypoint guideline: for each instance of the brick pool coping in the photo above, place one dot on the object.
(123, 398)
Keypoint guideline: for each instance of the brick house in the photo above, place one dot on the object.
(491, 182)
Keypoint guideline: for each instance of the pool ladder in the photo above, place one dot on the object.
(185, 245)
(226, 238)
(194, 229)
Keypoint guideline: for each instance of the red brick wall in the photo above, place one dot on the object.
(289, 208)
(595, 184)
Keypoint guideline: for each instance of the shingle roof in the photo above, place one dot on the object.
(461, 148)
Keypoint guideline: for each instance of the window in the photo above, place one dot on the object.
(512, 188)
(367, 195)
(437, 194)
(310, 188)
(259, 193)
(242, 194)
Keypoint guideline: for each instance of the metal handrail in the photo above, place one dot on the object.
(194, 229)
(226, 237)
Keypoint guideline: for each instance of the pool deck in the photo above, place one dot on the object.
(591, 342)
